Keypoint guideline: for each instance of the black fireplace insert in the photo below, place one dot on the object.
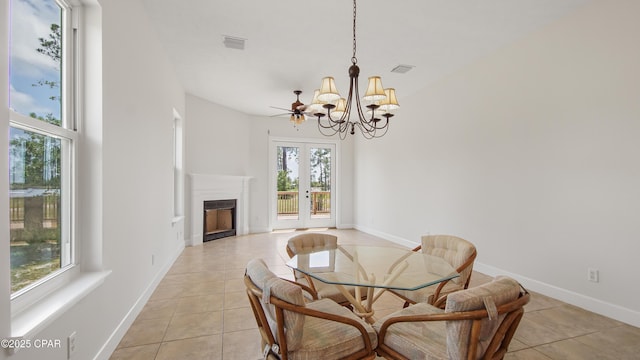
(219, 219)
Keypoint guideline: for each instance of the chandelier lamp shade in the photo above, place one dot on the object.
(334, 112)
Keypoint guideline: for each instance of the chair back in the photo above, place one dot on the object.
(458, 252)
(311, 242)
(281, 327)
(489, 316)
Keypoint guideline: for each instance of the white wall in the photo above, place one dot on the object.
(217, 139)
(531, 154)
(135, 151)
(140, 92)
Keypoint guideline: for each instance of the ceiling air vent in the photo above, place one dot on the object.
(401, 69)
(234, 42)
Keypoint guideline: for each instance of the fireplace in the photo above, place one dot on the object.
(205, 187)
(219, 219)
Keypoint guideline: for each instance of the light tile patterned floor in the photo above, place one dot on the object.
(200, 310)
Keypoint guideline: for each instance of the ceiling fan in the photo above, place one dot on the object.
(297, 111)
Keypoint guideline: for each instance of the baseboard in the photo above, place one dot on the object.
(259, 230)
(116, 336)
(345, 226)
(597, 306)
(392, 238)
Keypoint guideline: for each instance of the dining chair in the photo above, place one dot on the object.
(292, 328)
(314, 242)
(458, 252)
(477, 323)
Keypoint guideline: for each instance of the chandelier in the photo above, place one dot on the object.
(334, 112)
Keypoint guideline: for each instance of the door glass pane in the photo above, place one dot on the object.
(288, 183)
(36, 59)
(320, 180)
(35, 207)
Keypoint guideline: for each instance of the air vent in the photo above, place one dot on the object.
(401, 69)
(234, 42)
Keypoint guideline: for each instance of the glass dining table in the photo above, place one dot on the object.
(372, 270)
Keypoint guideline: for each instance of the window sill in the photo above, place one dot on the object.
(34, 319)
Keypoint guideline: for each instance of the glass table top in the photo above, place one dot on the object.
(374, 266)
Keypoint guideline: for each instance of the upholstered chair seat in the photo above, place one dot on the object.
(477, 323)
(292, 328)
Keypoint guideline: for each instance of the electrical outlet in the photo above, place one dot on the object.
(593, 275)
(71, 345)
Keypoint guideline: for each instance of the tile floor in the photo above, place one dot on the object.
(200, 311)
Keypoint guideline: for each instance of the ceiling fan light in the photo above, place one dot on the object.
(328, 92)
(297, 119)
(375, 92)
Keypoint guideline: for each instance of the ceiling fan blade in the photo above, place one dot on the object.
(283, 114)
(279, 108)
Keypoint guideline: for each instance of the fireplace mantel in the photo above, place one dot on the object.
(204, 187)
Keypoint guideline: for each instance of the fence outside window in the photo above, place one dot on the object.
(288, 202)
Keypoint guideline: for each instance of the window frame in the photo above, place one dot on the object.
(43, 305)
(178, 167)
(67, 132)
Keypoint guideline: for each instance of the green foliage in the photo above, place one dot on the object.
(52, 46)
(36, 235)
(41, 155)
(285, 183)
(283, 180)
(285, 155)
(321, 162)
(47, 118)
(29, 273)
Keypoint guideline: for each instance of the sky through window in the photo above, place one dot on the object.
(31, 72)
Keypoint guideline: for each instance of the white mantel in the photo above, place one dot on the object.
(205, 187)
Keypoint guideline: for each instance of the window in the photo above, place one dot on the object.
(178, 172)
(42, 141)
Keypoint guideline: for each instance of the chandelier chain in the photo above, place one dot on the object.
(354, 60)
(373, 121)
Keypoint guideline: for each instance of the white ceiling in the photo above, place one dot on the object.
(293, 44)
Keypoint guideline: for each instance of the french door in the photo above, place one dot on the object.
(303, 179)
